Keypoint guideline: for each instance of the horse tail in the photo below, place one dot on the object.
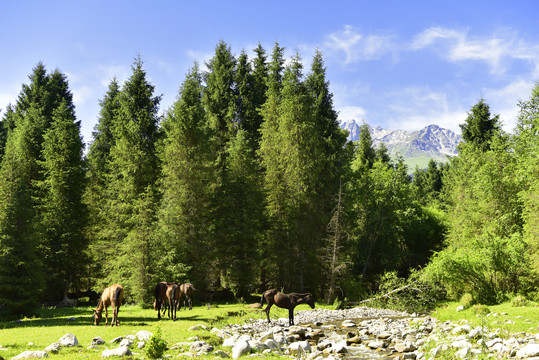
(262, 298)
(117, 295)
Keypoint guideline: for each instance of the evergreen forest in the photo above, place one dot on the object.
(247, 182)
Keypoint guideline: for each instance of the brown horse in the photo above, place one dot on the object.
(160, 293)
(186, 293)
(113, 296)
(173, 297)
(285, 301)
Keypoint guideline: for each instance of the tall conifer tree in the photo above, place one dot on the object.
(134, 171)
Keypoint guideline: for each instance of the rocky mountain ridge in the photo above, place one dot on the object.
(431, 142)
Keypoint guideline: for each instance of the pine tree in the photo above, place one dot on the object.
(365, 155)
(184, 220)
(479, 127)
(134, 171)
(98, 164)
(62, 216)
(21, 277)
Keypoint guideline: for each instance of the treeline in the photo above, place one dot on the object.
(247, 182)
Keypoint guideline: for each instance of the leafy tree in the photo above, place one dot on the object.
(61, 213)
(527, 154)
(484, 253)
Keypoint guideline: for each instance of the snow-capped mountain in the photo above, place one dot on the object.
(430, 142)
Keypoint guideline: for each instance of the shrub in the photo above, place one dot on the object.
(156, 346)
(480, 309)
(467, 300)
(519, 300)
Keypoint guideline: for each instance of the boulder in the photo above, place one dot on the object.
(200, 348)
(126, 342)
(97, 341)
(529, 350)
(119, 351)
(68, 340)
(241, 348)
(53, 348)
(298, 346)
(30, 355)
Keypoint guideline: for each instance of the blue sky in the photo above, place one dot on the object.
(395, 64)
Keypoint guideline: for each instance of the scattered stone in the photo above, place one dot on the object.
(126, 342)
(221, 354)
(200, 348)
(241, 348)
(117, 340)
(98, 341)
(299, 346)
(144, 335)
(119, 351)
(460, 308)
(53, 348)
(30, 355)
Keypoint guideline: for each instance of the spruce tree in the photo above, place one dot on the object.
(61, 213)
(184, 217)
(98, 165)
(480, 127)
(134, 171)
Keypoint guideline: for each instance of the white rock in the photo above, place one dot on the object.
(272, 344)
(294, 348)
(463, 353)
(200, 347)
(144, 335)
(221, 354)
(30, 355)
(241, 348)
(126, 342)
(98, 341)
(119, 351)
(460, 308)
(68, 340)
(53, 348)
(348, 323)
(493, 342)
(528, 350)
(460, 344)
(375, 344)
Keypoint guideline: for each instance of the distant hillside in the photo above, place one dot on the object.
(416, 147)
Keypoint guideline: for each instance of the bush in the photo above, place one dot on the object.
(156, 346)
(519, 300)
(467, 300)
(481, 309)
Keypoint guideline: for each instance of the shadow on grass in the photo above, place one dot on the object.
(81, 317)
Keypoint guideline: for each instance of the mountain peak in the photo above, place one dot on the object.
(431, 142)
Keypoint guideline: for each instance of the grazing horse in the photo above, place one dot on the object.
(160, 293)
(113, 296)
(186, 292)
(285, 301)
(173, 297)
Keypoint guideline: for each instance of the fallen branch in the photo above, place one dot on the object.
(387, 295)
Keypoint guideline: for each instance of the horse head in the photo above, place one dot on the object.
(309, 300)
(97, 317)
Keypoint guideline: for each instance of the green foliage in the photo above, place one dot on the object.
(412, 294)
(156, 346)
(466, 300)
(519, 300)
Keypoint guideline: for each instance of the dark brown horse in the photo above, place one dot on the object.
(113, 296)
(186, 293)
(286, 301)
(173, 297)
(160, 293)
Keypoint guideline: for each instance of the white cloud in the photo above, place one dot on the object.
(413, 108)
(495, 50)
(82, 94)
(504, 101)
(358, 47)
(108, 72)
(351, 112)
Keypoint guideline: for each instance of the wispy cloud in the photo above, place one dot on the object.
(413, 108)
(358, 47)
(351, 112)
(495, 50)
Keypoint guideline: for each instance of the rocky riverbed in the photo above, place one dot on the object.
(322, 334)
(366, 333)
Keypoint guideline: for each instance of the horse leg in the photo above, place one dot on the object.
(291, 316)
(117, 312)
(190, 301)
(158, 302)
(106, 315)
(267, 310)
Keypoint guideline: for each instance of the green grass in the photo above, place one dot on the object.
(51, 324)
(510, 319)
